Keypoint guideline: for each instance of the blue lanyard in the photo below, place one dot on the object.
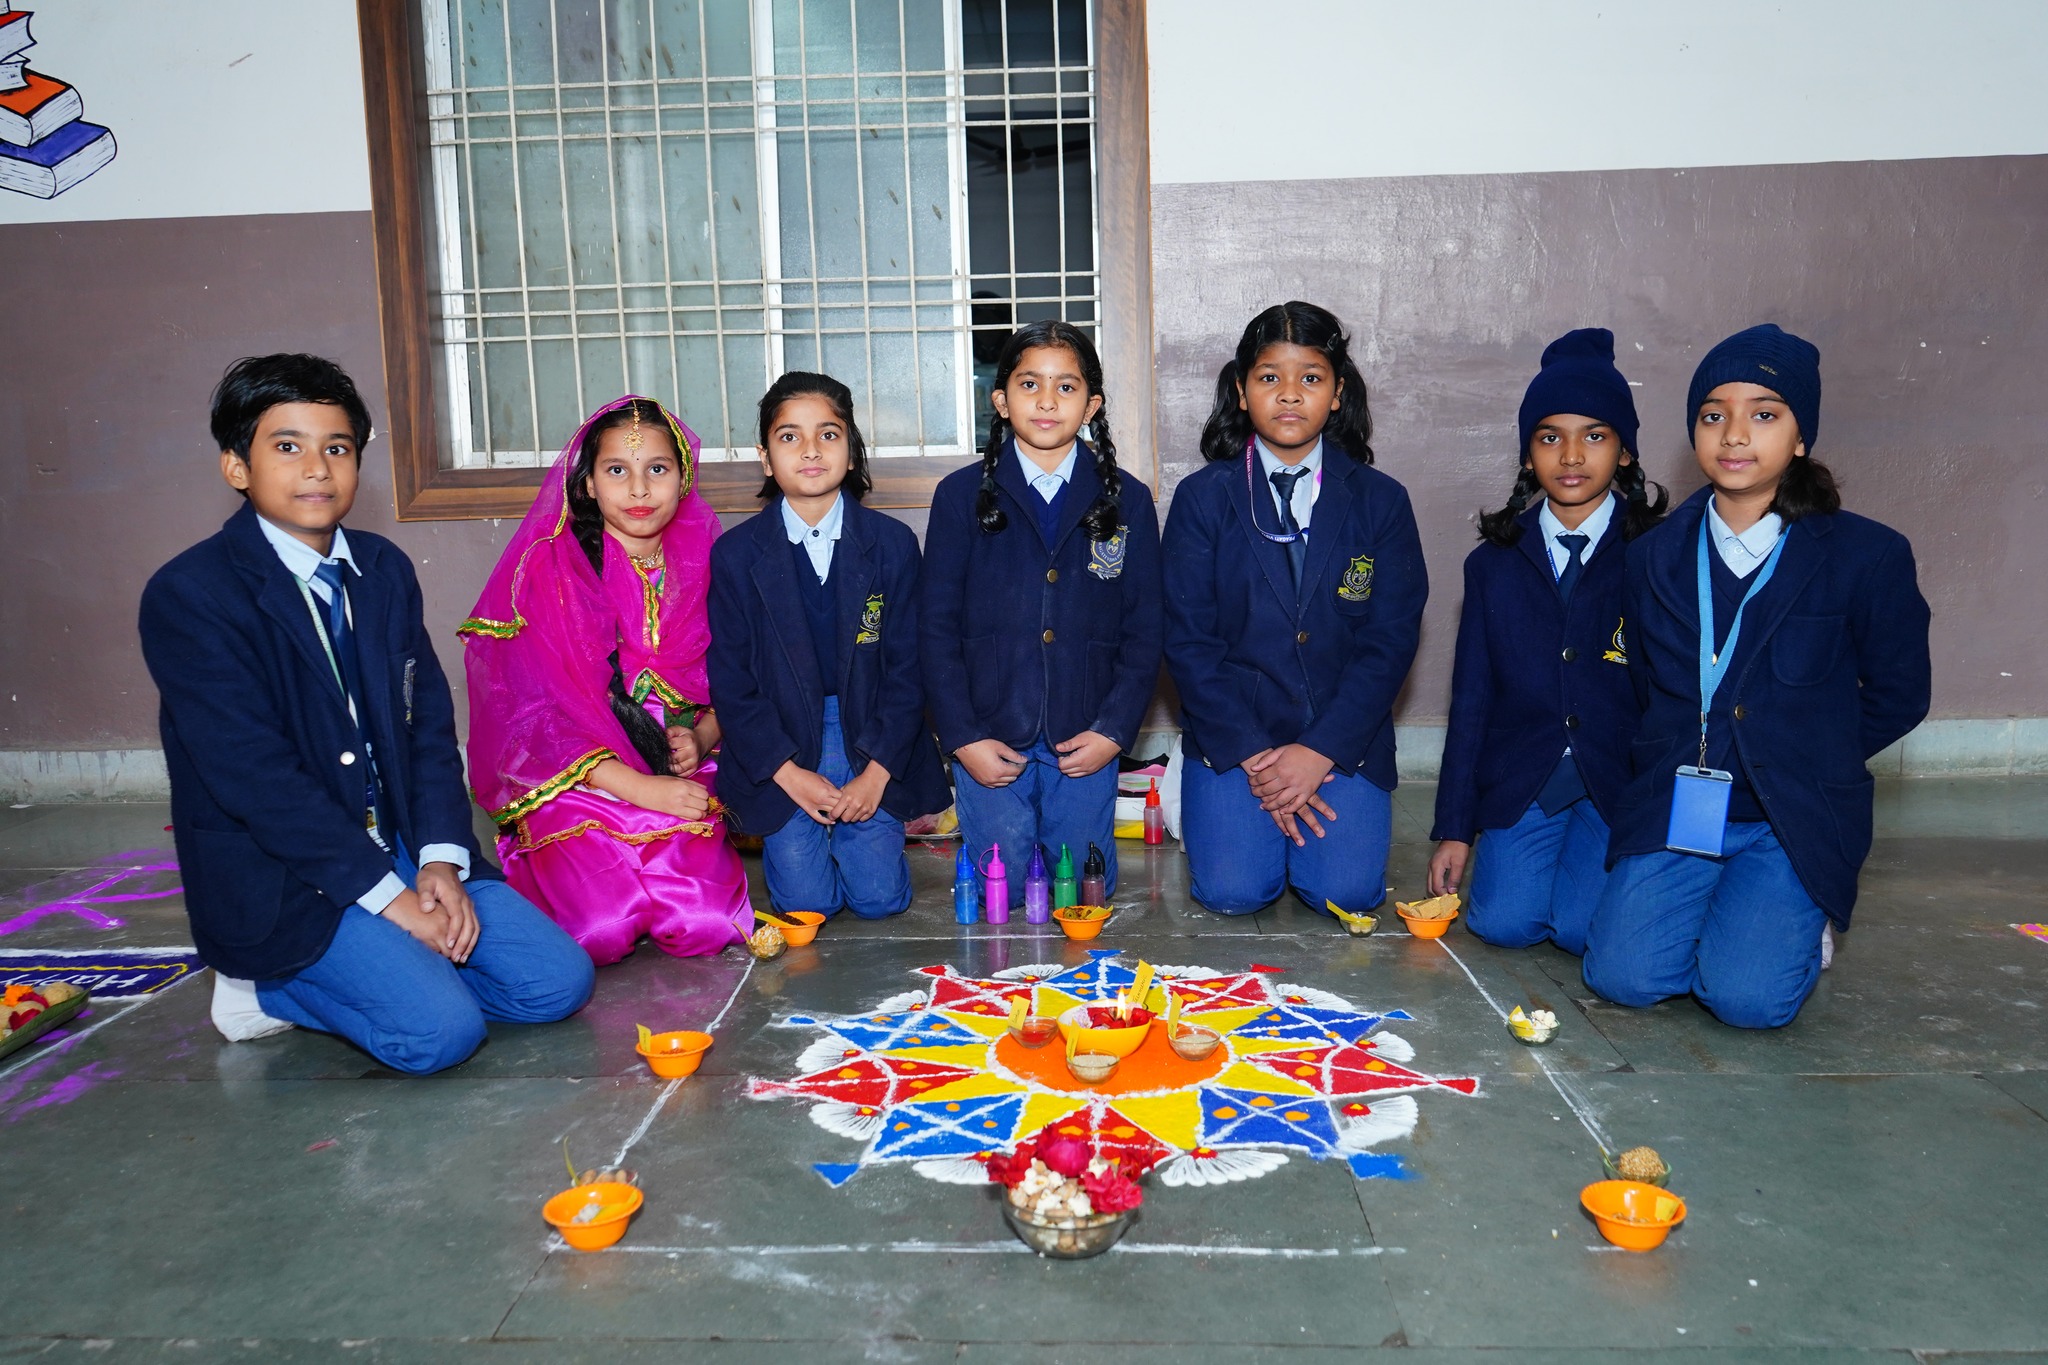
(1714, 666)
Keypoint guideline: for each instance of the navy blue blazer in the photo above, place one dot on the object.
(1259, 664)
(267, 817)
(1832, 666)
(765, 682)
(1021, 637)
(1532, 676)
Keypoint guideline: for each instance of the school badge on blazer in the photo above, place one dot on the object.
(870, 622)
(1618, 654)
(1357, 584)
(1106, 557)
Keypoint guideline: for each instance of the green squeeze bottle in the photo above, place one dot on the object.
(1064, 887)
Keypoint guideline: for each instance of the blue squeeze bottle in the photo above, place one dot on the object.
(966, 896)
(1037, 889)
(996, 887)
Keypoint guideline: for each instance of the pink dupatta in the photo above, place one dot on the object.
(538, 643)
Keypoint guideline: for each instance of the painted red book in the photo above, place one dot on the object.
(14, 32)
(38, 109)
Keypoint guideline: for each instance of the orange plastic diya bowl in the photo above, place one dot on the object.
(1098, 1029)
(1632, 1215)
(675, 1054)
(801, 927)
(1082, 922)
(614, 1204)
(1426, 928)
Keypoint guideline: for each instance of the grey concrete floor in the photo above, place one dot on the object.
(1869, 1184)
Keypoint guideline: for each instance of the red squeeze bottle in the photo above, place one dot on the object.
(1155, 818)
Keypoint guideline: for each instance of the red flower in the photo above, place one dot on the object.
(1066, 1156)
(1112, 1192)
(1010, 1170)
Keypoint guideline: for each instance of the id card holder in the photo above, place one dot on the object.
(1699, 811)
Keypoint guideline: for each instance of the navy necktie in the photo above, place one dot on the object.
(343, 638)
(1569, 578)
(1284, 481)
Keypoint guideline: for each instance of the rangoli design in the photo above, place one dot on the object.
(933, 1078)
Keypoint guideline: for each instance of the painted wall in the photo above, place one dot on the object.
(1473, 179)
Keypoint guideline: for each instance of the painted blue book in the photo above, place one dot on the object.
(48, 167)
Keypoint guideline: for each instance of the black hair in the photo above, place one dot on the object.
(1808, 488)
(1299, 324)
(1102, 519)
(1640, 510)
(586, 520)
(798, 383)
(255, 384)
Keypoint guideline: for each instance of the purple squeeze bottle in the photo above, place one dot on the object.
(1037, 889)
(995, 888)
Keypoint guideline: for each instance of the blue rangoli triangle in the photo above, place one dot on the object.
(1248, 1118)
(837, 1173)
(1380, 1166)
(929, 1128)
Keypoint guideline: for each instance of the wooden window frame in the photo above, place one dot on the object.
(394, 82)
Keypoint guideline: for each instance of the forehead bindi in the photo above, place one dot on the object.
(1048, 365)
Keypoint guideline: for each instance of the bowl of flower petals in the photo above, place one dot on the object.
(1064, 1201)
(1532, 1028)
(1640, 1164)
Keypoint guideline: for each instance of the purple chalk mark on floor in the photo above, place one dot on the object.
(119, 880)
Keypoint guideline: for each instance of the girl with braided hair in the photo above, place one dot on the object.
(1040, 628)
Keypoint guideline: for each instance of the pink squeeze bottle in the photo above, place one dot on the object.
(995, 887)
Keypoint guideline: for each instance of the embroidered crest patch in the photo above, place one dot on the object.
(870, 622)
(1357, 584)
(1106, 557)
(1618, 654)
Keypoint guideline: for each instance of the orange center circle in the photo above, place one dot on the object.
(1154, 1066)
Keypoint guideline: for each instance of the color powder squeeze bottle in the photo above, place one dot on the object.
(1037, 889)
(1155, 818)
(966, 895)
(995, 887)
(1064, 887)
(1094, 878)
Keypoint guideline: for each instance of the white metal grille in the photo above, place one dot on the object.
(684, 198)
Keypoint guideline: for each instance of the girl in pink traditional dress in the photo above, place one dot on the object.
(590, 739)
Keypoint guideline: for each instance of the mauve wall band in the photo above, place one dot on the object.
(1925, 284)
(1451, 285)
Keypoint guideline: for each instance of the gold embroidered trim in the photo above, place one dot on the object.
(547, 791)
(703, 829)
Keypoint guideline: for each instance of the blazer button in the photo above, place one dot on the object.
(1047, 637)
(1052, 575)
(1301, 637)
(1741, 712)
(1571, 722)
(1570, 654)
(347, 758)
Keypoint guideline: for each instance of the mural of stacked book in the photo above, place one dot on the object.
(46, 146)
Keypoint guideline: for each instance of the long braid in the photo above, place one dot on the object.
(1103, 520)
(1500, 527)
(1641, 511)
(987, 512)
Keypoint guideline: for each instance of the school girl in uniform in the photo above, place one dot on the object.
(1777, 642)
(1041, 623)
(1542, 710)
(1294, 593)
(813, 665)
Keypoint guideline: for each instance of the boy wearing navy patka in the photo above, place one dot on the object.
(317, 797)
(1542, 710)
(1776, 642)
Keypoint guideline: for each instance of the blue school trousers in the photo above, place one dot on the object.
(1044, 807)
(1240, 862)
(414, 1010)
(1539, 878)
(859, 866)
(1739, 931)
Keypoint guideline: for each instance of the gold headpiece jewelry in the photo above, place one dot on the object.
(633, 435)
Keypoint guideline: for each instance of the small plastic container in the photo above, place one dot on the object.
(675, 1054)
(1426, 928)
(799, 927)
(1036, 1030)
(1078, 1240)
(1081, 929)
(615, 1204)
(1632, 1215)
(1614, 1172)
(1092, 1068)
(1101, 1034)
(1193, 1043)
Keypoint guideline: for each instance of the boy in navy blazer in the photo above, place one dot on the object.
(813, 666)
(1814, 615)
(317, 796)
